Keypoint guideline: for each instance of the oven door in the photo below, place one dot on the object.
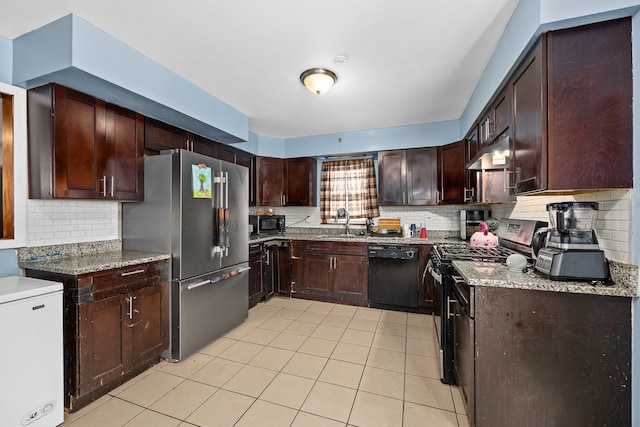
(464, 341)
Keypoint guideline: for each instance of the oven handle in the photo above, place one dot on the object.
(457, 281)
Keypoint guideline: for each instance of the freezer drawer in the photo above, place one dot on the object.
(205, 307)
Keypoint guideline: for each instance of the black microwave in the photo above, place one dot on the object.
(266, 224)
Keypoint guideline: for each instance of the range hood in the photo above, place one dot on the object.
(493, 156)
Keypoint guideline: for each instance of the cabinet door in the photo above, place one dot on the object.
(297, 268)
(451, 173)
(269, 181)
(104, 345)
(422, 176)
(300, 182)
(79, 144)
(124, 175)
(162, 136)
(392, 178)
(501, 111)
(227, 153)
(147, 319)
(318, 274)
(528, 139)
(590, 113)
(205, 146)
(248, 160)
(283, 283)
(472, 146)
(351, 278)
(269, 270)
(256, 292)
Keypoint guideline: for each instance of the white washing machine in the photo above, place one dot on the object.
(31, 366)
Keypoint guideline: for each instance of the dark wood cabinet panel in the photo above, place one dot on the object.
(116, 324)
(332, 271)
(318, 279)
(148, 319)
(392, 177)
(227, 153)
(125, 154)
(256, 293)
(162, 136)
(81, 147)
(535, 351)
(283, 262)
(202, 145)
(422, 176)
(286, 182)
(300, 177)
(407, 177)
(104, 348)
(590, 89)
(528, 144)
(269, 181)
(350, 274)
(572, 111)
(451, 172)
(472, 192)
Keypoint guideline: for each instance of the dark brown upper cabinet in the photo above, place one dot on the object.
(451, 173)
(81, 147)
(161, 136)
(407, 177)
(286, 182)
(572, 111)
(300, 177)
(497, 118)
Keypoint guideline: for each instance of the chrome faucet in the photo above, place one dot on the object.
(342, 213)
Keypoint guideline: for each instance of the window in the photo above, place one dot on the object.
(349, 184)
(13, 165)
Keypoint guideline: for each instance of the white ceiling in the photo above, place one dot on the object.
(410, 61)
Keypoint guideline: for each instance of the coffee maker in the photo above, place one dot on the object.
(572, 251)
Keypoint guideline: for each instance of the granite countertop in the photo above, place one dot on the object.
(624, 277)
(81, 258)
(334, 235)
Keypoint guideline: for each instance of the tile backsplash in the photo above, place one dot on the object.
(51, 222)
(613, 223)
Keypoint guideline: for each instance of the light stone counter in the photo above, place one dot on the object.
(81, 258)
(624, 277)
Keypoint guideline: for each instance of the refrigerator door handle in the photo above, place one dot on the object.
(217, 278)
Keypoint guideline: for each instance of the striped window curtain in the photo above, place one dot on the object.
(349, 184)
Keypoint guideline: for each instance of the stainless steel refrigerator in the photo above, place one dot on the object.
(196, 208)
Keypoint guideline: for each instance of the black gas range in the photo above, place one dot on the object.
(515, 236)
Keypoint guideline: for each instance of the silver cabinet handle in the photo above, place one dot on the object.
(131, 310)
(449, 301)
(197, 285)
(130, 273)
(104, 186)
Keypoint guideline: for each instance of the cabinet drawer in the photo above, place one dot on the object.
(351, 248)
(107, 283)
(318, 247)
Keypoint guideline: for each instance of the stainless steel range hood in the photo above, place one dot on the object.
(493, 156)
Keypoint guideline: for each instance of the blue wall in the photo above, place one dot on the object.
(73, 52)
(6, 60)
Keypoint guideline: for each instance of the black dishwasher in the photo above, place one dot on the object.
(393, 277)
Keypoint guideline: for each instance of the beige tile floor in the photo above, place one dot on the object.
(294, 363)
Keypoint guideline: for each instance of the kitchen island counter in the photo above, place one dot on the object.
(624, 278)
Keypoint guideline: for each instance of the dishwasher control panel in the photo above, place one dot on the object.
(393, 251)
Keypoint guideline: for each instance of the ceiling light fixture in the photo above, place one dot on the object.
(318, 80)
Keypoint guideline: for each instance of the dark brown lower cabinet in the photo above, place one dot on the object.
(551, 359)
(256, 292)
(116, 325)
(333, 271)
